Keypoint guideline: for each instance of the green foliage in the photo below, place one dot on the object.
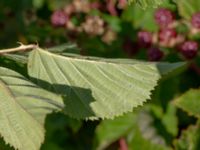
(38, 102)
(170, 120)
(18, 127)
(138, 132)
(139, 17)
(146, 3)
(189, 102)
(74, 80)
(189, 140)
(90, 84)
(111, 130)
(24, 108)
(61, 132)
(43, 91)
(138, 142)
(187, 8)
(38, 3)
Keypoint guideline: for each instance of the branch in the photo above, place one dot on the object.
(17, 49)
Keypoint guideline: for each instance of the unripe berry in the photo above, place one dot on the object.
(154, 54)
(163, 17)
(59, 18)
(196, 20)
(189, 49)
(144, 39)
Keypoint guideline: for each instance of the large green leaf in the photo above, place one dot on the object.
(100, 88)
(24, 107)
(18, 128)
(189, 102)
(36, 101)
(189, 139)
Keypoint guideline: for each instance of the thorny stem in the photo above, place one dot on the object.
(22, 47)
(122, 144)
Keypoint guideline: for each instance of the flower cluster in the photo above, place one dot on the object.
(92, 25)
(153, 42)
(168, 37)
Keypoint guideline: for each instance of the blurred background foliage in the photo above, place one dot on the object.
(110, 29)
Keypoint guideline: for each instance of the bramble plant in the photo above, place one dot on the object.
(100, 75)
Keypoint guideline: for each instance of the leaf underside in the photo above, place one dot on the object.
(23, 109)
(99, 88)
(38, 102)
(17, 127)
(82, 87)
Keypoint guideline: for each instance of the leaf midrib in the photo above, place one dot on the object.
(102, 60)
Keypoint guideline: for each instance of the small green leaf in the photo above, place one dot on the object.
(170, 120)
(147, 3)
(113, 22)
(189, 139)
(109, 131)
(138, 142)
(99, 88)
(187, 8)
(139, 18)
(38, 3)
(189, 102)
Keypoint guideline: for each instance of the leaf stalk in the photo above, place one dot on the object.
(22, 47)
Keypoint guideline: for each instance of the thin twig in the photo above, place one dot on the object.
(17, 49)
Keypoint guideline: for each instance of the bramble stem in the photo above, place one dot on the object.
(17, 49)
(122, 144)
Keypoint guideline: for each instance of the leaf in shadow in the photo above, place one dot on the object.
(113, 86)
